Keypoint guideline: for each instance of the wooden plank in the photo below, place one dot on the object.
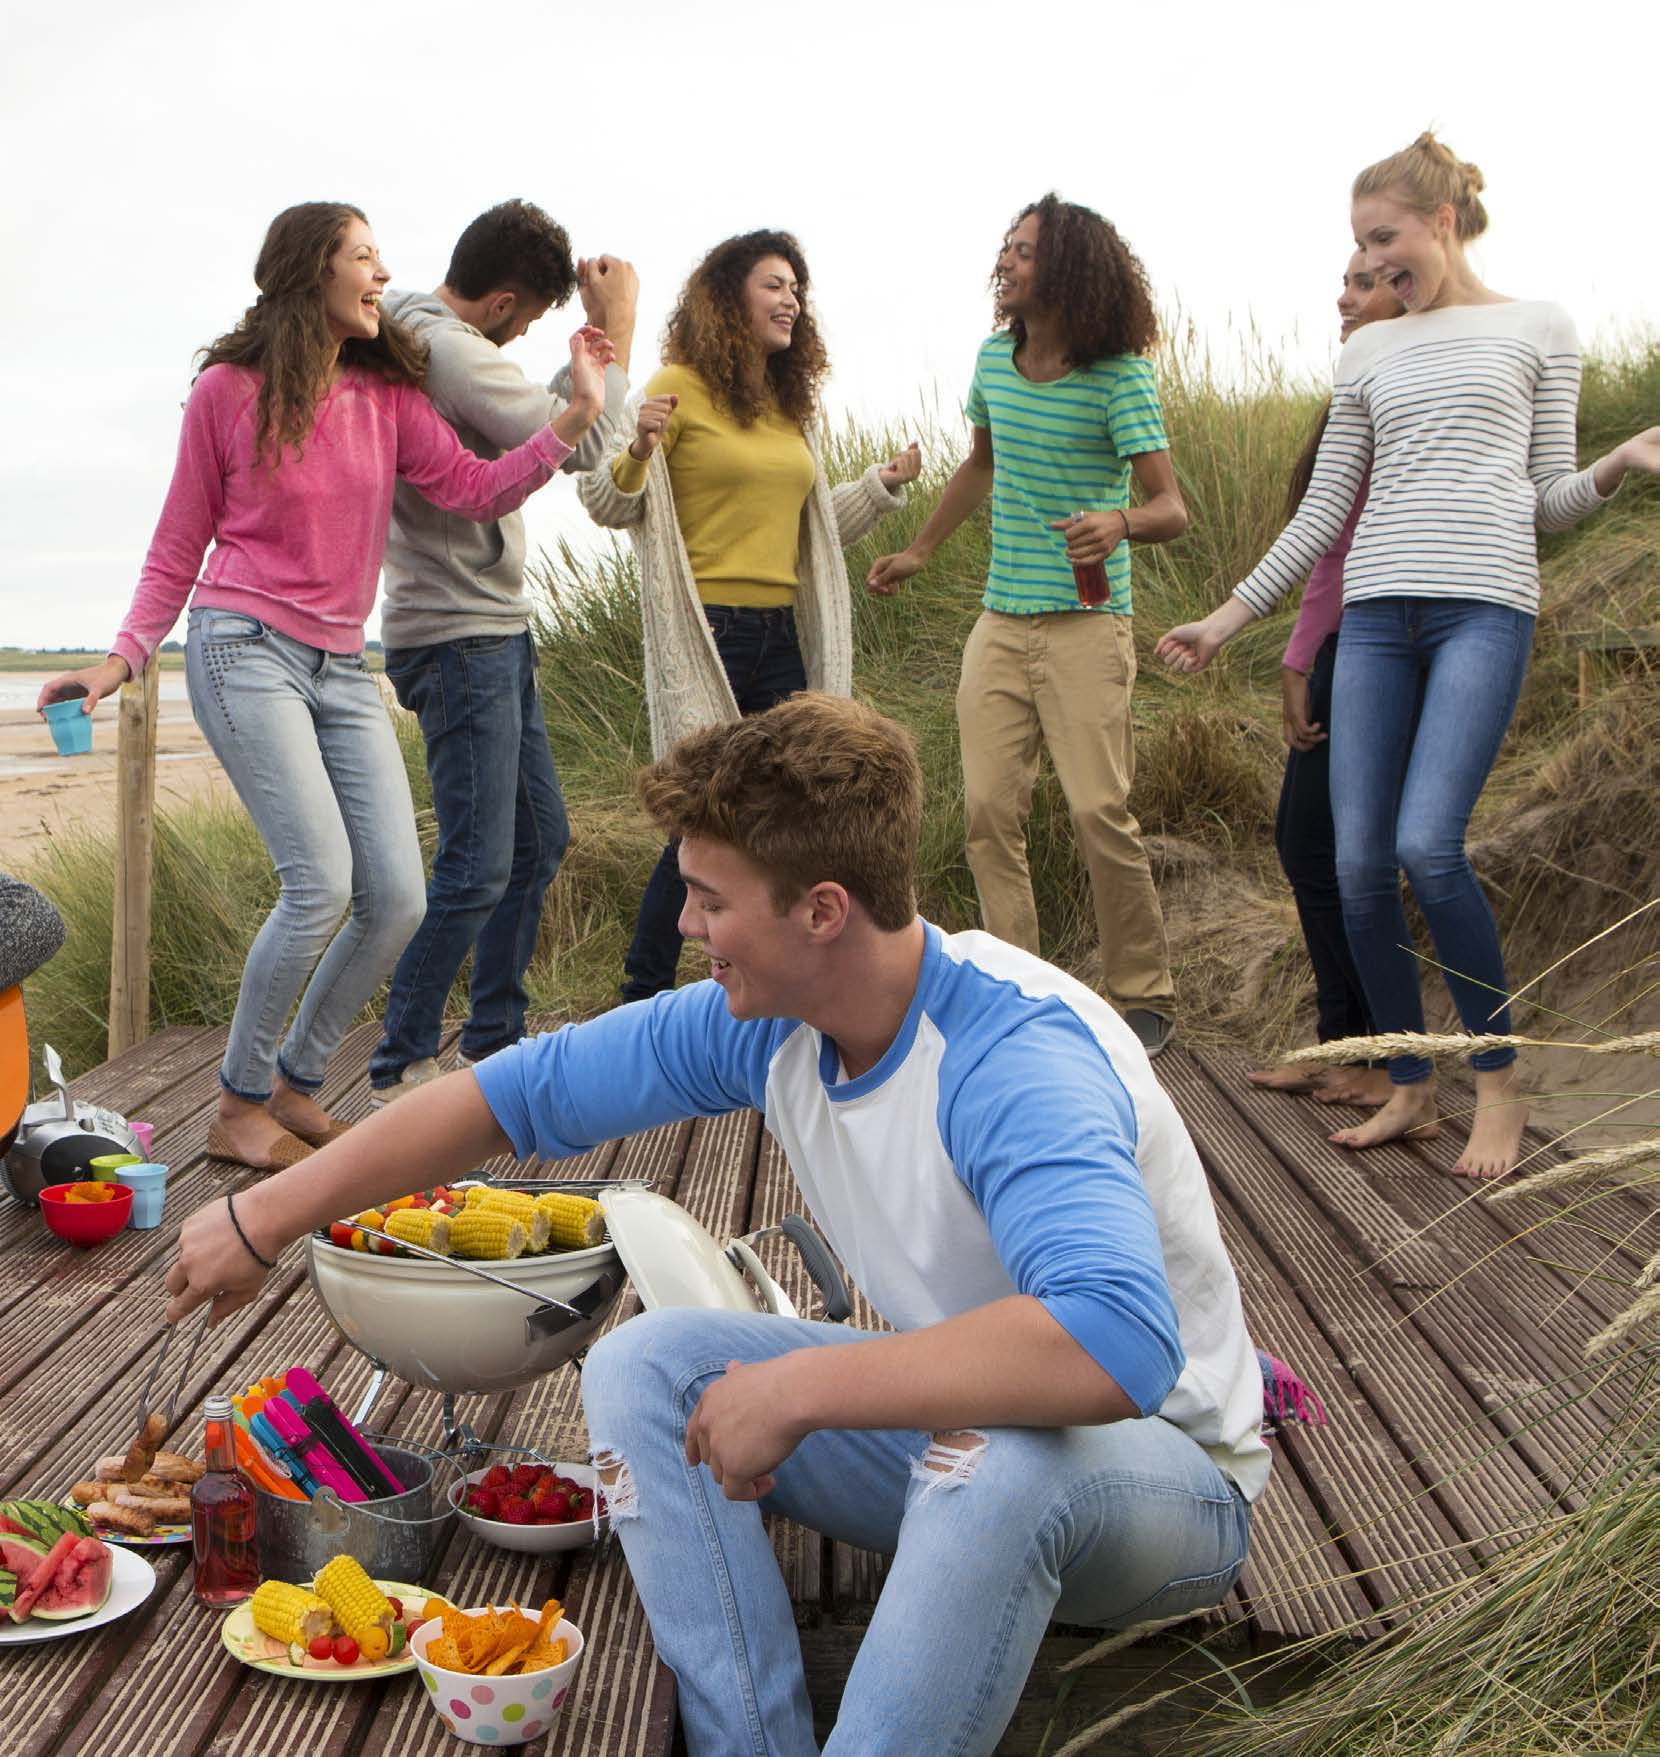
(1533, 1381)
(1483, 1484)
(63, 1286)
(1384, 1528)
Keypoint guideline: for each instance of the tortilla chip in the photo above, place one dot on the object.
(541, 1659)
(537, 1658)
(443, 1653)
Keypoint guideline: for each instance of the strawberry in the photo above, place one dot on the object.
(524, 1476)
(496, 1477)
(516, 1512)
(486, 1503)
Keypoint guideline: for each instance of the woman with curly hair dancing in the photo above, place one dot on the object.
(1064, 411)
(738, 533)
(299, 422)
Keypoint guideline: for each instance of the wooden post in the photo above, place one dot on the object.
(135, 833)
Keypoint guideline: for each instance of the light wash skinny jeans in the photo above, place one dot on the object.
(1108, 1525)
(305, 738)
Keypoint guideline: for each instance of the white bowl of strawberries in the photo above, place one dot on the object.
(533, 1506)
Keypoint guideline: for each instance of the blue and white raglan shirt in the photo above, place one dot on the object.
(1012, 1140)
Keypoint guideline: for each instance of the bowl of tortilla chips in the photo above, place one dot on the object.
(498, 1677)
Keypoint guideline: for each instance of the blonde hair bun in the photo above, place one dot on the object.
(1428, 175)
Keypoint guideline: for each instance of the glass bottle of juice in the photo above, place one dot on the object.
(222, 1517)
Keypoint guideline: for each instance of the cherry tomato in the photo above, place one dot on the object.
(340, 1233)
(345, 1650)
(397, 1609)
(321, 1647)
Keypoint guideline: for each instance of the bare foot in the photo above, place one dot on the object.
(248, 1133)
(1408, 1113)
(296, 1110)
(1303, 1078)
(1366, 1087)
(1496, 1133)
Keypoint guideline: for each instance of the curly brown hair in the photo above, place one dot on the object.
(709, 331)
(284, 336)
(1091, 279)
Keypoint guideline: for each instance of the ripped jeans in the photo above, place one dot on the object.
(1108, 1526)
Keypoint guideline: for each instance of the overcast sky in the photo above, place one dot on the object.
(146, 149)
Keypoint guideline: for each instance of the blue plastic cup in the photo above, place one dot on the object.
(71, 728)
(148, 1184)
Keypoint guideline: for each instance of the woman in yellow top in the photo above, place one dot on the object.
(739, 536)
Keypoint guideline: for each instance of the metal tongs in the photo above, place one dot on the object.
(171, 1411)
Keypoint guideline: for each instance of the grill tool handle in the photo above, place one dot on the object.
(817, 1260)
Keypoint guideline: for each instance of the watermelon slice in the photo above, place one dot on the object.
(21, 1556)
(72, 1580)
(30, 1588)
(42, 1522)
(81, 1584)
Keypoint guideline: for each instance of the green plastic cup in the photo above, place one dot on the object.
(107, 1166)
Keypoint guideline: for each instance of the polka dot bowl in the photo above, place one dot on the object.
(497, 1711)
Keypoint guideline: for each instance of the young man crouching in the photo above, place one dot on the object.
(1057, 1427)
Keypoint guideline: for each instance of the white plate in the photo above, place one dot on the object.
(132, 1580)
(163, 1534)
(243, 1640)
(535, 1540)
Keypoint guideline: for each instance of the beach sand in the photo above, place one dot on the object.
(42, 793)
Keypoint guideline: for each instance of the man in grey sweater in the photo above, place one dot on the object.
(455, 622)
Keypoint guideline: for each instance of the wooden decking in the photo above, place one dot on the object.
(1440, 1342)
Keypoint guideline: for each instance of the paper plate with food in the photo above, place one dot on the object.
(341, 1629)
(57, 1578)
(152, 1507)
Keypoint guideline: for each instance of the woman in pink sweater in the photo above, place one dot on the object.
(301, 419)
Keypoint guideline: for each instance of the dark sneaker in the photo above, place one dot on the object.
(419, 1073)
(1153, 1030)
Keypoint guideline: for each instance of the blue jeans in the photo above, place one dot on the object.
(306, 740)
(1307, 845)
(1108, 1526)
(1422, 697)
(763, 664)
(502, 832)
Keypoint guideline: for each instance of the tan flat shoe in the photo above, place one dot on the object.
(320, 1137)
(288, 1150)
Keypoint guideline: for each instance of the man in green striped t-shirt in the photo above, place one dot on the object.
(1064, 410)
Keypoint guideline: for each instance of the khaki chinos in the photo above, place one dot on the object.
(1065, 678)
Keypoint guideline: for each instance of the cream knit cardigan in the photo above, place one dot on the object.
(686, 686)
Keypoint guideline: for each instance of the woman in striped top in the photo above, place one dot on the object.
(1464, 412)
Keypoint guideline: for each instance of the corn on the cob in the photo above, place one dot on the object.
(359, 1606)
(482, 1234)
(517, 1203)
(574, 1222)
(290, 1613)
(420, 1226)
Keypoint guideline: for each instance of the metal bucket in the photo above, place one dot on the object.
(393, 1538)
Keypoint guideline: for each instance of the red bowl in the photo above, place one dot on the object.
(85, 1223)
